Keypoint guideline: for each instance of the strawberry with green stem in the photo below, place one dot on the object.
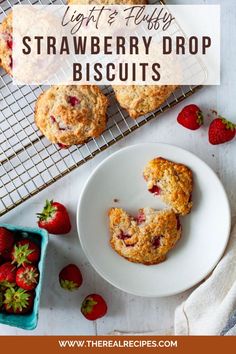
(94, 307)
(18, 301)
(70, 277)
(54, 218)
(191, 117)
(25, 252)
(27, 277)
(221, 131)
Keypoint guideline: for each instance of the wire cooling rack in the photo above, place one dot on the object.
(28, 161)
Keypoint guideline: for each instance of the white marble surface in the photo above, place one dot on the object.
(60, 310)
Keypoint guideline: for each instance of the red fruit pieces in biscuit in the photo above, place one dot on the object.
(7, 274)
(140, 218)
(54, 218)
(94, 307)
(155, 190)
(27, 277)
(221, 131)
(73, 100)
(25, 252)
(18, 301)
(190, 117)
(70, 277)
(6, 241)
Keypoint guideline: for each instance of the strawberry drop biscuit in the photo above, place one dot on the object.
(145, 239)
(70, 115)
(142, 99)
(172, 181)
(6, 44)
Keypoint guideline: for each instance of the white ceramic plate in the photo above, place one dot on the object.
(205, 230)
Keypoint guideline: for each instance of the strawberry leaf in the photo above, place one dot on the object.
(48, 211)
(68, 285)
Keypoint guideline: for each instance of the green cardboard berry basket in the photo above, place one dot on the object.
(40, 237)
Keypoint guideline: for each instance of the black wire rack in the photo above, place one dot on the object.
(29, 163)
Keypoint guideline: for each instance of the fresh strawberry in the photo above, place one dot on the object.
(18, 301)
(94, 307)
(70, 277)
(25, 252)
(6, 240)
(54, 218)
(190, 117)
(221, 131)
(7, 274)
(27, 277)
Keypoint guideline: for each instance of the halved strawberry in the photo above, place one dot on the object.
(18, 301)
(70, 277)
(25, 252)
(54, 218)
(27, 277)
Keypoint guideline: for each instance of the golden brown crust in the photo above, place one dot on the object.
(142, 99)
(6, 44)
(106, 2)
(71, 122)
(146, 239)
(175, 182)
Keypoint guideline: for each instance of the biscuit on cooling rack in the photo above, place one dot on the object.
(142, 99)
(172, 181)
(6, 44)
(70, 115)
(145, 239)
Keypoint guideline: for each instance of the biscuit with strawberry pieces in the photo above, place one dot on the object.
(6, 44)
(173, 182)
(146, 238)
(71, 115)
(142, 99)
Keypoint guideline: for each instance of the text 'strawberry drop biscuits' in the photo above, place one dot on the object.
(145, 239)
(6, 44)
(173, 182)
(70, 115)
